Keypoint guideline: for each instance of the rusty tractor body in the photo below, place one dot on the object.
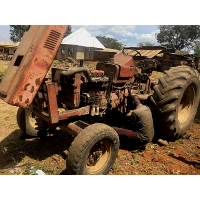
(77, 93)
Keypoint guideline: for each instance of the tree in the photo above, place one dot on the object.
(178, 36)
(196, 57)
(17, 31)
(110, 42)
(196, 46)
(141, 44)
(69, 31)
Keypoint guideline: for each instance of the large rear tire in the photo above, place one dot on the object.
(93, 151)
(175, 101)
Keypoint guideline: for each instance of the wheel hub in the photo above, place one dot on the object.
(32, 121)
(98, 157)
(186, 104)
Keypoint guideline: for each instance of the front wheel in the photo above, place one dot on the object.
(93, 151)
(28, 123)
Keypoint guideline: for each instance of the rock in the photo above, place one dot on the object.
(12, 171)
(155, 159)
(161, 142)
(20, 164)
(32, 172)
(18, 170)
(40, 172)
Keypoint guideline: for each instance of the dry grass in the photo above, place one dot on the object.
(90, 64)
(7, 118)
(156, 74)
(4, 65)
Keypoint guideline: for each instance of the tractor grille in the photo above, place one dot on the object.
(52, 40)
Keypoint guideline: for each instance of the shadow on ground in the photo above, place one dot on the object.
(197, 116)
(182, 159)
(14, 147)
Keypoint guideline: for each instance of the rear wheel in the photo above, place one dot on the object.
(175, 101)
(93, 151)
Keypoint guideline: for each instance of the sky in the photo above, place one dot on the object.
(129, 35)
(130, 22)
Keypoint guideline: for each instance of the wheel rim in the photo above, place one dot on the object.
(98, 157)
(32, 120)
(186, 104)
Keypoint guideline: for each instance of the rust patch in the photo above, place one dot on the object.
(20, 97)
(37, 82)
(25, 87)
(48, 67)
(27, 100)
(32, 89)
(3, 95)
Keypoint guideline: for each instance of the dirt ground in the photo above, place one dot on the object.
(20, 155)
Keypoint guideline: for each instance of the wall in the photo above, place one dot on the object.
(79, 52)
(103, 56)
(72, 51)
(11, 50)
(90, 53)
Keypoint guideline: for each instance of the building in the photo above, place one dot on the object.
(79, 45)
(8, 47)
(105, 54)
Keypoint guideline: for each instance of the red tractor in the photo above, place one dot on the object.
(82, 101)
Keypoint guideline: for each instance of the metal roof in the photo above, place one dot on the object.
(143, 52)
(108, 50)
(9, 44)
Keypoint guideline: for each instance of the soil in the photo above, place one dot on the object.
(23, 155)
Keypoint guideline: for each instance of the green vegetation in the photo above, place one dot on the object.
(115, 169)
(171, 153)
(196, 46)
(133, 156)
(110, 42)
(17, 31)
(178, 36)
(141, 44)
(68, 32)
(1, 75)
(171, 163)
(142, 154)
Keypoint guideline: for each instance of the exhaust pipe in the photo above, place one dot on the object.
(70, 72)
(75, 70)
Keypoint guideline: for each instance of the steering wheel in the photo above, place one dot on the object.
(132, 49)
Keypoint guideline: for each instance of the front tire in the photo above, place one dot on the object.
(29, 123)
(93, 151)
(175, 101)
